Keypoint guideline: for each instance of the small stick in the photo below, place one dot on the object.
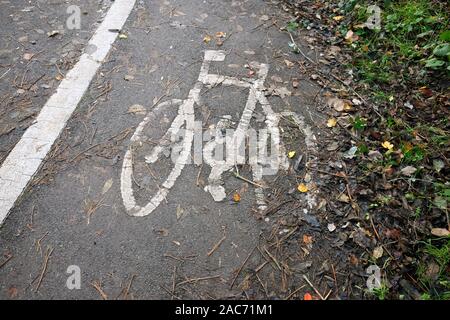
(237, 175)
(314, 288)
(44, 267)
(294, 292)
(98, 287)
(241, 267)
(129, 286)
(216, 246)
(6, 261)
(174, 284)
(197, 279)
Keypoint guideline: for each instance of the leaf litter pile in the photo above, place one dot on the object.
(380, 176)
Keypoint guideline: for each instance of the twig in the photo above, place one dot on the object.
(174, 284)
(6, 261)
(197, 280)
(44, 267)
(129, 286)
(96, 284)
(314, 288)
(237, 175)
(300, 50)
(294, 292)
(216, 246)
(241, 267)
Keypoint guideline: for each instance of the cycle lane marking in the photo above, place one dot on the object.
(185, 113)
(26, 157)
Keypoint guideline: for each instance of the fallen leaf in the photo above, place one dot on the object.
(53, 33)
(351, 37)
(408, 171)
(338, 18)
(291, 154)
(307, 296)
(387, 145)
(108, 184)
(339, 104)
(333, 146)
(123, 36)
(331, 122)
(440, 232)
(302, 188)
(344, 198)
(377, 252)
(28, 56)
(164, 232)
(221, 34)
(331, 227)
(180, 212)
(288, 63)
(438, 165)
(307, 239)
(236, 197)
(12, 292)
(178, 13)
(207, 39)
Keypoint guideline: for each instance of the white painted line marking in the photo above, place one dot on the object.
(27, 156)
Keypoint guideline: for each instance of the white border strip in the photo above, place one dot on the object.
(26, 157)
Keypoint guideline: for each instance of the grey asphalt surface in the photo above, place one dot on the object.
(32, 63)
(65, 209)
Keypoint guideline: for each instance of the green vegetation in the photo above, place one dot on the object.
(413, 34)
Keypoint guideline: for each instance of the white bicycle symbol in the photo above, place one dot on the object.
(184, 124)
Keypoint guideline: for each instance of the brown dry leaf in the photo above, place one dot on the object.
(344, 198)
(307, 239)
(12, 292)
(220, 34)
(339, 104)
(338, 18)
(440, 232)
(28, 56)
(288, 63)
(164, 232)
(377, 252)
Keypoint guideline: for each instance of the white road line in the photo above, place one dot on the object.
(27, 156)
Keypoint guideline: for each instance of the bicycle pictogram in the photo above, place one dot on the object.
(180, 137)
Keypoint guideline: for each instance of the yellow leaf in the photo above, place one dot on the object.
(236, 197)
(302, 187)
(207, 39)
(123, 36)
(338, 18)
(291, 154)
(387, 145)
(331, 122)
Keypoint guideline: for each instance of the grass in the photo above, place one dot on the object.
(440, 254)
(411, 33)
